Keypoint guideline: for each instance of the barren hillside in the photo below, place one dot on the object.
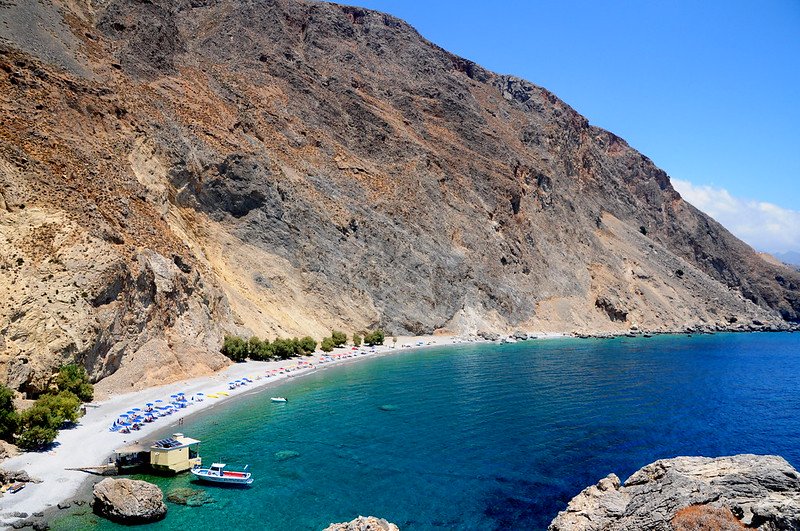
(174, 170)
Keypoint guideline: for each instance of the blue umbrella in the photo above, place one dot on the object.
(201, 394)
(136, 409)
(149, 404)
(181, 394)
(159, 400)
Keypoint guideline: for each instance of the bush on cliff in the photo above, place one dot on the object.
(73, 378)
(8, 414)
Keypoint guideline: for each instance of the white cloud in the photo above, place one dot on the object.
(764, 226)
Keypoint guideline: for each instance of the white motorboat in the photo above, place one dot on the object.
(278, 399)
(217, 474)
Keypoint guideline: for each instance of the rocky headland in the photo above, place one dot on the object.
(686, 493)
(172, 171)
(364, 523)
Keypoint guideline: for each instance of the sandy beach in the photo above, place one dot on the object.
(90, 443)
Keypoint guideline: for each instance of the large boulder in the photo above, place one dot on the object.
(129, 501)
(758, 491)
(364, 523)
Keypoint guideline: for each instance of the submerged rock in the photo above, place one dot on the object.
(129, 501)
(759, 491)
(285, 455)
(189, 497)
(388, 407)
(364, 523)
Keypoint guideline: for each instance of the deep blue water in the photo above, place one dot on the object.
(488, 436)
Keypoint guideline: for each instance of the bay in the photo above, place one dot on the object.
(486, 436)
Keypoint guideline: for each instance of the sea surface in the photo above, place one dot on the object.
(486, 436)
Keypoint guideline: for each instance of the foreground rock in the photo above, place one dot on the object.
(129, 501)
(364, 523)
(757, 491)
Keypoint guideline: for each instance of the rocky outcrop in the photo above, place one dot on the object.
(14, 476)
(759, 491)
(129, 501)
(171, 171)
(364, 523)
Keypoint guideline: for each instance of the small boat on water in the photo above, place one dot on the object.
(278, 399)
(217, 474)
(16, 487)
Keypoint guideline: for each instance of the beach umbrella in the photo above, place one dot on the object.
(136, 409)
(159, 400)
(181, 394)
(149, 404)
(200, 394)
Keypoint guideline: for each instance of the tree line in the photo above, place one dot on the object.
(239, 349)
(38, 426)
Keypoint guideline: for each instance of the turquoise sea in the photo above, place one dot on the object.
(486, 436)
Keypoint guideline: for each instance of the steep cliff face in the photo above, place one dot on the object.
(284, 167)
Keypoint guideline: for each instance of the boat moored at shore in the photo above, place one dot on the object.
(216, 473)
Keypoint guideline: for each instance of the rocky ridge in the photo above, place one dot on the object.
(760, 491)
(364, 523)
(171, 171)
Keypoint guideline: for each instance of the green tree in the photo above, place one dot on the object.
(253, 347)
(36, 437)
(235, 348)
(284, 348)
(356, 340)
(9, 419)
(339, 338)
(63, 407)
(327, 344)
(374, 338)
(308, 344)
(261, 351)
(73, 378)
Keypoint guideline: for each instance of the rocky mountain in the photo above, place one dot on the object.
(173, 170)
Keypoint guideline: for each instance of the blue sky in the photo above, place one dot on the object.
(710, 90)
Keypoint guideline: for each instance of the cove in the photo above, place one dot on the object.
(486, 436)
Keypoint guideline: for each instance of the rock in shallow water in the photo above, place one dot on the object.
(129, 501)
(285, 455)
(189, 497)
(388, 407)
(761, 491)
(364, 523)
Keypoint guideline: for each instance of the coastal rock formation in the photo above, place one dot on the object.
(364, 523)
(174, 170)
(759, 491)
(189, 497)
(129, 501)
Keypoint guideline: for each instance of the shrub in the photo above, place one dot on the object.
(73, 378)
(700, 517)
(235, 348)
(64, 406)
(308, 344)
(36, 437)
(263, 351)
(327, 344)
(283, 348)
(356, 340)
(374, 338)
(39, 425)
(8, 414)
(339, 338)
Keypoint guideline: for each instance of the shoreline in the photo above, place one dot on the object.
(90, 443)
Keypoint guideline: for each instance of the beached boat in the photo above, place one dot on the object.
(278, 399)
(217, 474)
